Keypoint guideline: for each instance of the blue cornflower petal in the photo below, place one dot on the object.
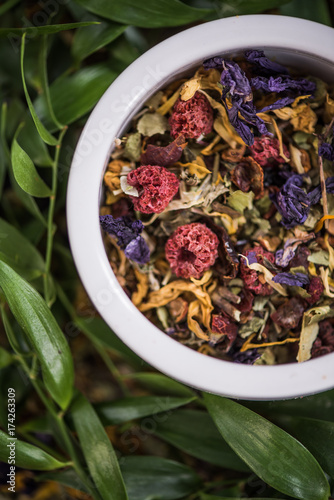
(297, 279)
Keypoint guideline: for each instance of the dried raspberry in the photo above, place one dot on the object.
(223, 327)
(156, 187)
(191, 118)
(250, 276)
(265, 151)
(191, 250)
(324, 343)
(315, 289)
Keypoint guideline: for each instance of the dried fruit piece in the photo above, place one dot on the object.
(164, 156)
(222, 327)
(248, 175)
(289, 314)
(191, 118)
(191, 250)
(156, 187)
(265, 151)
(250, 276)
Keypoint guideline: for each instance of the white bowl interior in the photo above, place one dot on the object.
(301, 44)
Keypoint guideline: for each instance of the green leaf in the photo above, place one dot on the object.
(26, 174)
(148, 14)
(157, 478)
(98, 451)
(275, 456)
(319, 406)
(43, 30)
(43, 132)
(126, 409)
(241, 7)
(6, 358)
(88, 40)
(43, 333)
(74, 96)
(306, 10)
(193, 431)
(316, 435)
(160, 384)
(19, 253)
(33, 145)
(26, 455)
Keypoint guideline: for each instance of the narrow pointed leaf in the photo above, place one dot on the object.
(194, 432)
(5, 358)
(43, 132)
(18, 252)
(73, 96)
(148, 14)
(275, 456)
(88, 40)
(43, 333)
(43, 30)
(157, 478)
(126, 409)
(160, 384)
(319, 406)
(26, 455)
(316, 435)
(98, 451)
(26, 175)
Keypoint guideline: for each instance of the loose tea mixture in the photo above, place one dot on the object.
(219, 211)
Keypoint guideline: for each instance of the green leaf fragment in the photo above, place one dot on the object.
(26, 174)
(43, 132)
(98, 451)
(152, 123)
(26, 455)
(275, 456)
(240, 201)
(43, 333)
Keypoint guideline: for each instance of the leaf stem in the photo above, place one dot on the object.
(51, 228)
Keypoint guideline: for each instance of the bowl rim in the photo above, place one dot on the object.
(120, 101)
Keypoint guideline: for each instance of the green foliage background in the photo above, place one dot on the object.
(91, 419)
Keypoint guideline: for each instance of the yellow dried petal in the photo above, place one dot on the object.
(167, 106)
(194, 311)
(325, 280)
(265, 344)
(190, 88)
(142, 288)
(320, 224)
(205, 278)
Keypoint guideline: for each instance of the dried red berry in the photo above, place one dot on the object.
(191, 250)
(191, 118)
(289, 314)
(265, 151)
(248, 175)
(250, 276)
(324, 343)
(156, 187)
(315, 289)
(223, 327)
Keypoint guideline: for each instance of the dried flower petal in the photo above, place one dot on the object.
(191, 250)
(326, 151)
(123, 228)
(156, 186)
(248, 175)
(163, 156)
(297, 279)
(257, 57)
(292, 202)
(137, 250)
(191, 118)
(283, 83)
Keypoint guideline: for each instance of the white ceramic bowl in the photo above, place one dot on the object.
(302, 44)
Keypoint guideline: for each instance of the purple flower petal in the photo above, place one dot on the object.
(283, 83)
(284, 256)
(315, 195)
(280, 103)
(138, 251)
(298, 279)
(235, 81)
(257, 57)
(213, 63)
(123, 228)
(326, 151)
(292, 202)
